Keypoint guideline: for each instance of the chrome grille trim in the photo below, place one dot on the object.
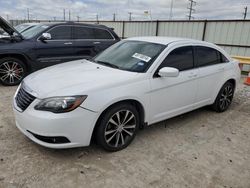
(23, 99)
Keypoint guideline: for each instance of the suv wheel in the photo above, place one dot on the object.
(12, 71)
(224, 97)
(118, 127)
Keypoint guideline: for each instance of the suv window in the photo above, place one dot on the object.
(83, 33)
(180, 58)
(209, 56)
(91, 33)
(60, 33)
(102, 34)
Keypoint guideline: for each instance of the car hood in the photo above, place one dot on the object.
(74, 78)
(8, 28)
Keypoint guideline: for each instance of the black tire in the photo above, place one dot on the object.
(224, 97)
(12, 71)
(124, 131)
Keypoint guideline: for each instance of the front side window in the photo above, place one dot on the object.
(135, 56)
(60, 33)
(180, 58)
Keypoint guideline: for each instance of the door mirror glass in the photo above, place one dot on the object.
(45, 36)
(168, 72)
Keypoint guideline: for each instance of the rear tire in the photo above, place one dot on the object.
(117, 127)
(224, 97)
(12, 71)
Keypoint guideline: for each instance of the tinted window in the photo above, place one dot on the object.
(83, 33)
(208, 56)
(180, 58)
(60, 33)
(102, 34)
(223, 59)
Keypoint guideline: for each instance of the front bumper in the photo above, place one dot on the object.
(77, 126)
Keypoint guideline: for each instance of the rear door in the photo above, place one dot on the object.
(56, 50)
(89, 41)
(212, 66)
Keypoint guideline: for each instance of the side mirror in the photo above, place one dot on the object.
(45, 36)
(168, 72)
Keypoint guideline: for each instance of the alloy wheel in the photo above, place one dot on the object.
(11, 72)
(120, 128)
(226, 97)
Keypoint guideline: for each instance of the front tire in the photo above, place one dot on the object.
(118, 127)
(12, 71)
(224, 97)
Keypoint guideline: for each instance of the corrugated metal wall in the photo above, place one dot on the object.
(232, 35)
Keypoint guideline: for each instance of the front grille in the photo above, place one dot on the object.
(24, 99)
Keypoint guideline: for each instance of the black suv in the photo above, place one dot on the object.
(49, 44)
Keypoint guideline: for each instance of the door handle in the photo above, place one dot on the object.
(96, 42)
(192, 75)
(221, 69)
(68, 43)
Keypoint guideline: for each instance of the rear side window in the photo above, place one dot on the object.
(102, 34)
(180, 58)
(83, 33)
(91, 33)
(60, 33)
(209, 56)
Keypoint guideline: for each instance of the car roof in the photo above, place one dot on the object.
(165, 40)
(74, 23)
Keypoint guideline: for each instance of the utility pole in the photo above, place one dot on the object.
(130, 16)
(245, 13)
(7, 17)
(171, 10)
(69, 15)
(78, 18)
(64, 17)
(28, 14)
(114, 15)
(191, 9)
(97, 18)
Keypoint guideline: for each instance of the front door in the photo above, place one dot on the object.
(56, 50)
(171, 96)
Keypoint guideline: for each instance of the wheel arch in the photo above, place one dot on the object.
(19, 56)
(231, 80)
(138, 105)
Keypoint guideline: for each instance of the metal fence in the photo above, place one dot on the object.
(232, 35)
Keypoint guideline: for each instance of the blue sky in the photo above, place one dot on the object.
(87, 9)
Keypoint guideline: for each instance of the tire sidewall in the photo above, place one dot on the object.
(20, 63)
(100, 131)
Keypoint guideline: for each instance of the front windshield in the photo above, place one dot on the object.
(28, 34)
(23, 27)
(135, 56)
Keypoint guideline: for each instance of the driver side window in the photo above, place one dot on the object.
(60, 33)
(180, 58)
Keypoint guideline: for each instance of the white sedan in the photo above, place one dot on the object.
(134, 83)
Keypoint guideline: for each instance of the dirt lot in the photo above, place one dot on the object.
(198, 149)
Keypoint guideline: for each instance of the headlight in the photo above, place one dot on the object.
(60, 104)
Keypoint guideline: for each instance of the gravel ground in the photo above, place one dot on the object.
(198, 149)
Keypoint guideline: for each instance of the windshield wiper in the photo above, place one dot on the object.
(108, 64)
